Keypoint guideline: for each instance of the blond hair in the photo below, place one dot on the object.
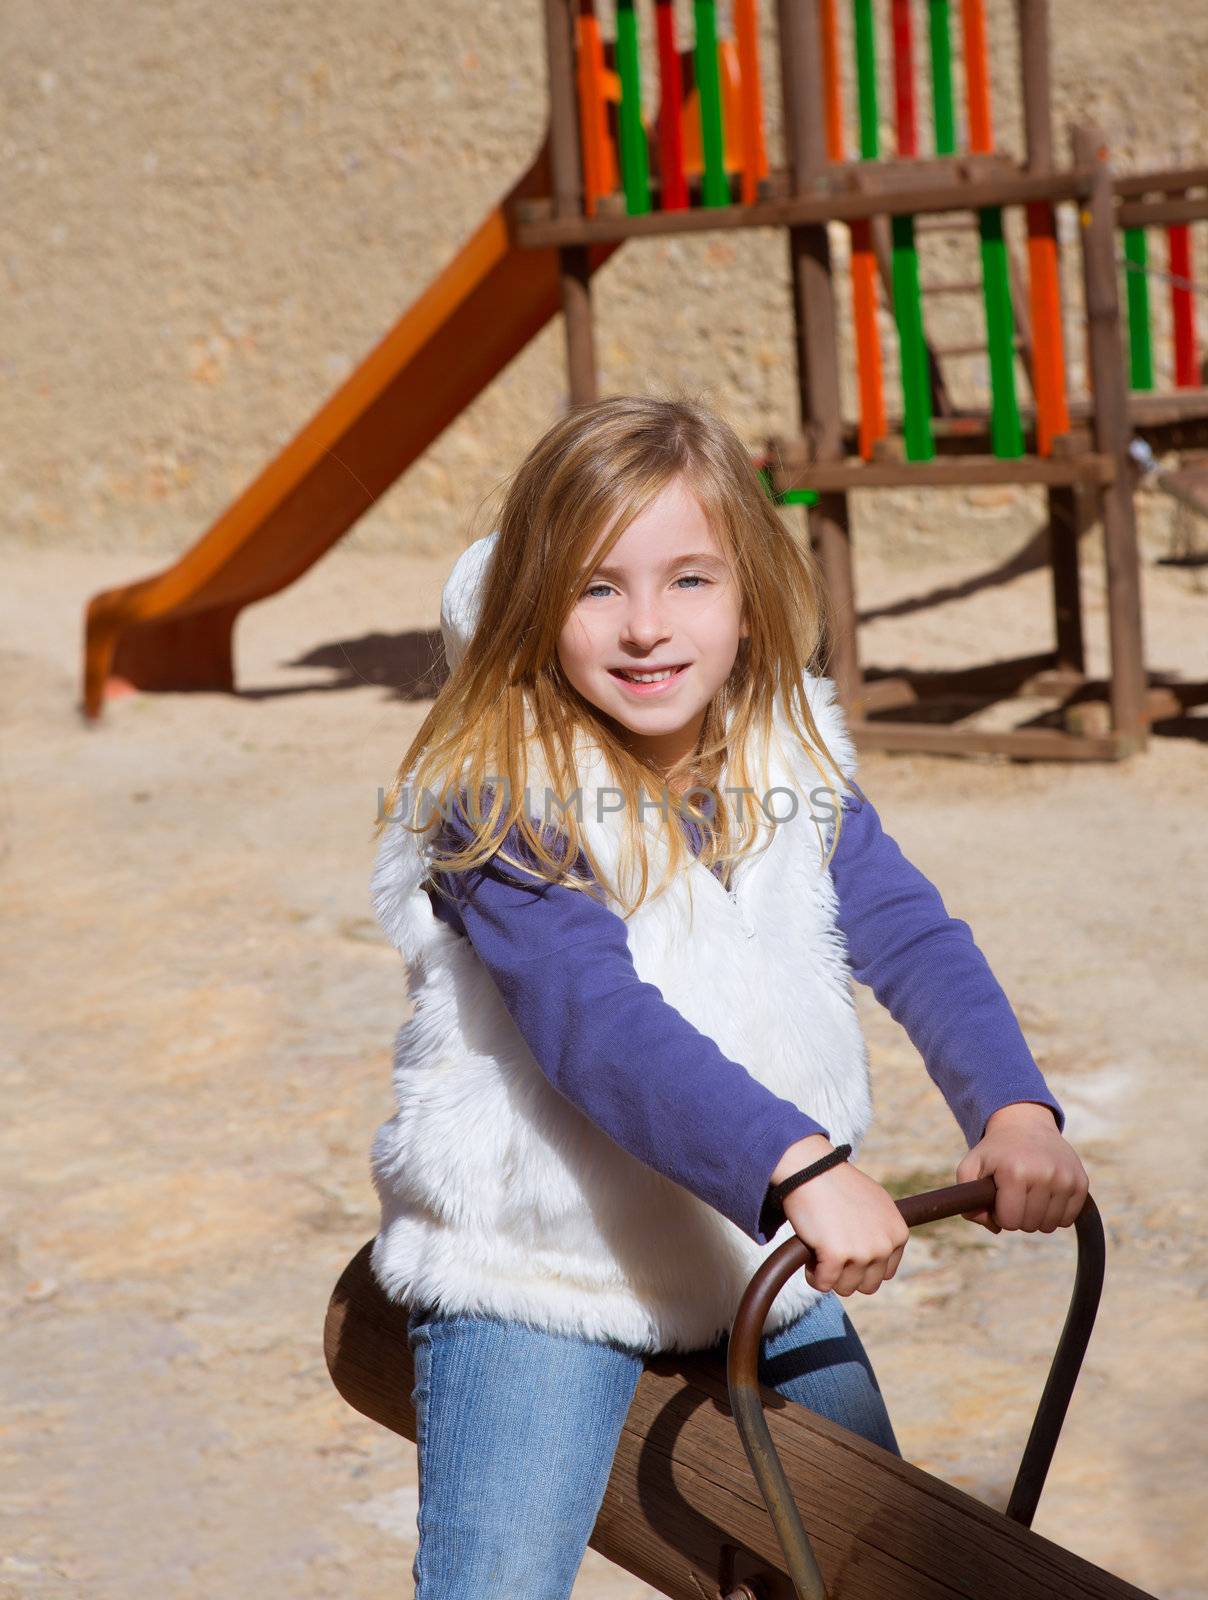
(604, 463)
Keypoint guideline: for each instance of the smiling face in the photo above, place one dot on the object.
(665, 598)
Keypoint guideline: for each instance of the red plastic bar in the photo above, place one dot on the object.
(671, 113)
(828, 29)
(1182, 306)
(903, 80)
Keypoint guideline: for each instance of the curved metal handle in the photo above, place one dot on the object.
(742, 1369)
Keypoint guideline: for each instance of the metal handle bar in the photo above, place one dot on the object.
(742, 1369)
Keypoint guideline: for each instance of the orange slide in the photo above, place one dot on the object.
(173, 630)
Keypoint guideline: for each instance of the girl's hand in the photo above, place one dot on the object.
(853, 1227)
(1041, 1184)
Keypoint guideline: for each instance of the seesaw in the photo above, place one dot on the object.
(806, 1508)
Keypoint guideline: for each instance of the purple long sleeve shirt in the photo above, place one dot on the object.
(562, 965)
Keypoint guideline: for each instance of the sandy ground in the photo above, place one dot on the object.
(199, 1011)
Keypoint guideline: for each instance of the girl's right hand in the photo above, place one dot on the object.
(853, 1227)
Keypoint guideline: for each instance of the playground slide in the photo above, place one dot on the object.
(173, 630)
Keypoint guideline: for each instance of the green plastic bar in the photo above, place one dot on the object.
(788, 497)
(635, 157)
(908, 313)
(1006, 434)
(1140, 348)
(866, 79)
(943, 105)
(715, 189)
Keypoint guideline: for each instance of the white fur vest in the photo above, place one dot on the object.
(499, 1196)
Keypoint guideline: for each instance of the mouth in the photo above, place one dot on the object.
(645, 685)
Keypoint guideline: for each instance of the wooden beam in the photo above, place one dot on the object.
(1164, 180)
(1160, 213)
(793, 469)
(534, 228)
(1028, 744)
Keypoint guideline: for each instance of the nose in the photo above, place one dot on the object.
(644, 625)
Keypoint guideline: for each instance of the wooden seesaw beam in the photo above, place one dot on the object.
(683, 1510)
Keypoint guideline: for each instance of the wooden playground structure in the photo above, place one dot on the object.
(605, 175)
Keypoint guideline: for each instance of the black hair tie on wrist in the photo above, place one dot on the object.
(772, 1217)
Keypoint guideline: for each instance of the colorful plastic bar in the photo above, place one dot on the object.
(1006, 433)
(943, 106)
(754, 153)
(863, 258)
(1182, 306)
(977, 75)
(908, 312)
(1136, 287)
(715, 186)
(671, 112)
(599, 163)
(828, 29)
(1048, 344)
(635, 155)
(905, 124)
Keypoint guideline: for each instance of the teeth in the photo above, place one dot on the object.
(648, 677)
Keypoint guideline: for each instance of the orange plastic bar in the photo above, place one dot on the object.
(868, 338)
(977, 76)
(1048, 349)
(599, 167)
(754, 151)
(828, 28)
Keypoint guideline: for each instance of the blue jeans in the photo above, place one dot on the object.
(517, 1428)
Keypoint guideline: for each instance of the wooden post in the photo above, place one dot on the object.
(1035, 83)
(1113, 430)
(574, 265)
(814, 322)
(1067, 520)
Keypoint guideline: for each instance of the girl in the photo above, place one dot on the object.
(632, 880)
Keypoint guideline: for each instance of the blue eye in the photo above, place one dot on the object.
(697, 578)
